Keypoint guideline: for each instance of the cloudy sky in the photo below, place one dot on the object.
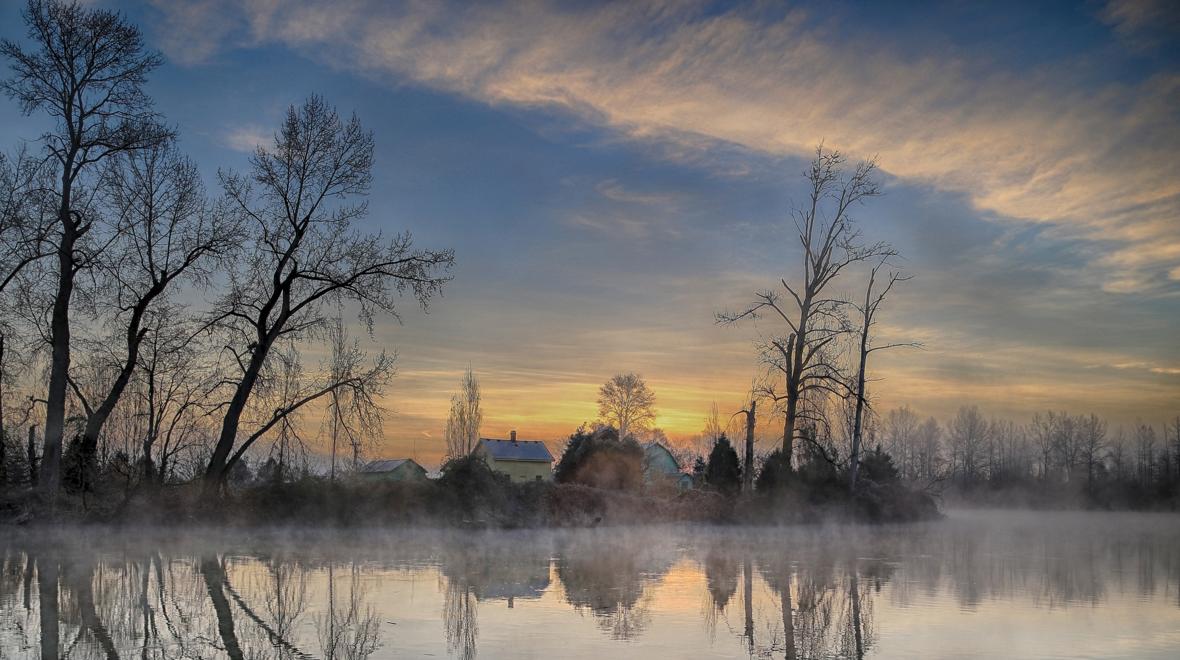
(610, 176)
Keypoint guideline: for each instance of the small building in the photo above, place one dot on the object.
(660, 467)
(522, 460)
(393, 469)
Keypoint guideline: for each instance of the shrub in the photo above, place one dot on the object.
(775, 474)
(723, 473)
(601, 460)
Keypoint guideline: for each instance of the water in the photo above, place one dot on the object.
(980, 584)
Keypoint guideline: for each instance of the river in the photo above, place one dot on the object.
(977, 584)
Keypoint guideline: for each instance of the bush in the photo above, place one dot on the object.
(601, 460)
(775, 474)
(877, 466)
(723, 473)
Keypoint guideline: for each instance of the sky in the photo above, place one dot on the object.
(612, 175)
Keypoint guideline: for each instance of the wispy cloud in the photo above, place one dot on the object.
(1144, 24)
(1098, 163)
(245, 138)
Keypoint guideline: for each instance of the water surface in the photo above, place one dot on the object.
(978, 584)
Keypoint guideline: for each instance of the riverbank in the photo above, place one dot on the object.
(462, 504)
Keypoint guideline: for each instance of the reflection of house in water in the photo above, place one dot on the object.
(522, 460)
(500, 571)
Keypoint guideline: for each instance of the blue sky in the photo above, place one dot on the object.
(612, 175)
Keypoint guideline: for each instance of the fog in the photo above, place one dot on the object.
(969, 585)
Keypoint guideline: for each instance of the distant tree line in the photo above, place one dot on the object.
(1052, 455)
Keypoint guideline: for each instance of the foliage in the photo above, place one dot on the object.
(599, 458)
(877, 467)
(723, 472)
(775, 474)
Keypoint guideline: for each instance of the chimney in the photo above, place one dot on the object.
(512, 435)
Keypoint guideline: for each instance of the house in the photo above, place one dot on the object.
(522, 460)
(660, 467)
(394, 469)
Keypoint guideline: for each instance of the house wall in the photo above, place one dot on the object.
(523, 470)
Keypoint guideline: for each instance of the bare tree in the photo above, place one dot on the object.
(354, 416)
(465, 418)
(303, 252)
(172, 381)
(868, 313)
(162, 232)
(86, 72)
(830, 242)
(901, 440)
(751, 413)
(626, 403)
(968, 434)
(1093, 443)
(929, 452)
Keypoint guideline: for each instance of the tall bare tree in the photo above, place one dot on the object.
(868, 313)
(86, 70)
(626, 403)
(303, 252)
(162, 232)
(830, 241)
(465, 418)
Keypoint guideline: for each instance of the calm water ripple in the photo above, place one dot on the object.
(979, 584)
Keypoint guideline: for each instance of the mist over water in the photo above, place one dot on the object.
(978, 584)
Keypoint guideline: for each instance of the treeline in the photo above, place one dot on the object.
(1054, 459)
(151, 329)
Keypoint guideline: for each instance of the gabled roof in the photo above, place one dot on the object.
(653, 447)
(388, 465)
(516, 450)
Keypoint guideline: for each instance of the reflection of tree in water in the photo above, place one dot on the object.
(349, 629)
(460, 618)
(609, 577)
(721, 575)
(721, 582)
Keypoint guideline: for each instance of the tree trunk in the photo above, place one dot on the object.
(789, 429)
(32, 456)
(748, 474)
(55, 407)
(854, 468)
(149, 470)
(214, 579)
(99, 416)
(857, 629)
(748, 598)
(788, 620)
(47, 587)
(219, 466)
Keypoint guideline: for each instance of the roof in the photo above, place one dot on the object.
(516, 450)
(388, 465)
(651, 447)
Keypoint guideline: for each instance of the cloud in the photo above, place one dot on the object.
(246, 138)
(1144, 24)
(1098, 163)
